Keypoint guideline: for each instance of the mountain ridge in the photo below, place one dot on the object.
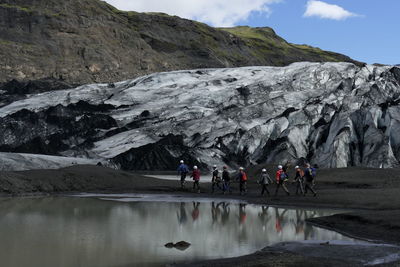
(86, 41)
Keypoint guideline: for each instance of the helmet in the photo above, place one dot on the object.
(264, 170)
(181, 161)
(297, 167)
(241, 168)
(195, 168)
(280, 167)
(225, 167)
(215, 166)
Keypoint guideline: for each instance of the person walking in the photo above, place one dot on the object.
(242, 181)
(183, 170)
(196, 179)
(226, 179)
(215, 180)
(281, 178)
(264, 181)
(314, 174)
(309, 180)
(299, 180)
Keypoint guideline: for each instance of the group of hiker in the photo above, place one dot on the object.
(304, 179)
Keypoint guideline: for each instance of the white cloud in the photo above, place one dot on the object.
(220, 13)
(327, 11)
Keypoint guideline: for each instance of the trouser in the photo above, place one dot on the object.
(299, 187)
(243, 187)
(281, 183)
(215, 184)
(183, 177)
(226, 186)
(309, 185)
(264, 188)
(196, 184)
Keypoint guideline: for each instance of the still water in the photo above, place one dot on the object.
(126, 230)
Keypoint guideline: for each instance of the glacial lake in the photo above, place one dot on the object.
(131, 230)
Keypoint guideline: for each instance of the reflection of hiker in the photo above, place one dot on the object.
(242, 177)
(214, 212)
(263, 215)
(196, 179)
(242, 213)
(299, 180)
(183, 171)
(215, 180)
(309, 178)
(264, 181)
(182, 217)
(196, 211)
(226, 178)
(300, 221)
(225, 213)
(281, 178)
(279, 220)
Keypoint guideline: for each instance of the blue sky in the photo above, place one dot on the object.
(372, 37)
(366, 30)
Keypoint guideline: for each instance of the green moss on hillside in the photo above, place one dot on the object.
(267, 44)
(20, 8)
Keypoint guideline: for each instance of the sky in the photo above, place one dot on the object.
(365, 30)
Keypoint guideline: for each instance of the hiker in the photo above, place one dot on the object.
(226, 178)
(299, 180)
(215, 180)
(314, 173)
(309, 179)
(264, 181)
(281, 178)
(242, 181)
(286, 166)
(196, 179)
(183, 170)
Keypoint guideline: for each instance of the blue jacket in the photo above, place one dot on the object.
(183, 168)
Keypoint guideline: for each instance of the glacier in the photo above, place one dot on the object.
(330, 114)
(23, 162)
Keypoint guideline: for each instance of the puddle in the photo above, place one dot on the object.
(132, 229)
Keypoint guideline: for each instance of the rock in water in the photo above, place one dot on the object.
(182, 245)
(333, 114)
(169, 245)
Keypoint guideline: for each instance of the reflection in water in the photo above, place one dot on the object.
(93, 232)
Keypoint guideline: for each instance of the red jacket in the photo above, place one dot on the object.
(196, 175)
(278, 175)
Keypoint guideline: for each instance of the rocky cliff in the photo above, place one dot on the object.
(84, 41)
(332, 114)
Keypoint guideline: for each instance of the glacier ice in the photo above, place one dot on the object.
(332, 114)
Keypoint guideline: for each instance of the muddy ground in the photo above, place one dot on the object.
(371, 195)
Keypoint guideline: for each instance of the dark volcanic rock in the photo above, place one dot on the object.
(15, 87)
(54, 130)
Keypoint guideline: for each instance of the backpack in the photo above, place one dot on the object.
(313, 172)
(309, 175)
(283, 176)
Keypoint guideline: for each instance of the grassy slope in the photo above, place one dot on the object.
(267, 43)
